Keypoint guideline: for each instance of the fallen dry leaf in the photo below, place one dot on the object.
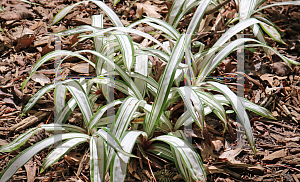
(230, 154)
(24, 42)
(22, 31)
(81, 68)
(147, 8)
(280, 68)
(3, 69)
(275, 156)
(40, 78)
(41, 41)
(218, 144)
(31, 171)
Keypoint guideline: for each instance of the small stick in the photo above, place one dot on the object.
(151, 170)
(217, 7)
(279, 124)
(48, 118)
(18, 78)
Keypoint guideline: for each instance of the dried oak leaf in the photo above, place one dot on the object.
(147, 8)
(40, 78)
(24, 42)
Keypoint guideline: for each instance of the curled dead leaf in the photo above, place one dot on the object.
(147, 8)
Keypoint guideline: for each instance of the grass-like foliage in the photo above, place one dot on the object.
(112, 141)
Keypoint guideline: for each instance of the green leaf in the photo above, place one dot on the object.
(141, 67)
(19, 141)
(51, 55)
(185, 156)
(162, 150)
(62, 127)
(116, 2)
(111, 141)
(27, 154)
(238, 106)
(127, 50)
(193, 104)
(175, 11)
(258, 109)
(80, 96)
(118, 168)
(60, 151)
(96, 117)
(165, 84)
(64, 12)
(278, 4)
(97, 159)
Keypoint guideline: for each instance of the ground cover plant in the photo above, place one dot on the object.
(111, 143)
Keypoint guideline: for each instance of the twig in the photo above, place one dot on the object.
(48, 118)
(18, 78)
(279, 124)
(151, 170)
(216, 8)
(278, 165)
(81, 162)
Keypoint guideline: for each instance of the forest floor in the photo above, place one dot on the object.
(268, 82)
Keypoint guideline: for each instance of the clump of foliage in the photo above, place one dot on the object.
(112, 142)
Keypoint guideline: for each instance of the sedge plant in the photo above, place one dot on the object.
(112, 143)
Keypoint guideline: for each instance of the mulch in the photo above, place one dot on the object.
(268, 82)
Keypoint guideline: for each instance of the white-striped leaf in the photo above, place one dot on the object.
(19, 141)
(108, 11)
(162, 150)
(36, 97)
(127, 50)
(59, 97)
(27, 154)
(112, 141)
(124, 115)
(175, 11)
(279, 4)
(159, 25)
(272, 32)
(141, 67)
(193, 104)
(80, 96)
(97, 116)
(238, 106)
(51, 55)
(61, 150)
(258, 109)
(165, 84)
(119, 163)
(190, 158)
(97, 159)
(62, 127)
(63, 114)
